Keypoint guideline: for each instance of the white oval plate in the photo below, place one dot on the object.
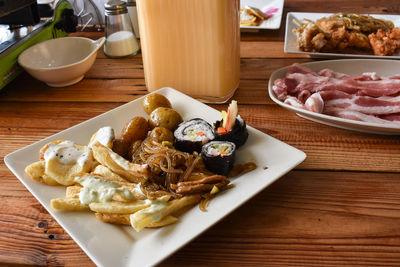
(350, 67)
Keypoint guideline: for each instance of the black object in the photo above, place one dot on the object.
(191, 135)
(68, 21)
(238, 134)
(45, 11)
(19, 12)
(219, 156)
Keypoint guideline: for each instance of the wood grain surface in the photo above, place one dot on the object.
(340, 207)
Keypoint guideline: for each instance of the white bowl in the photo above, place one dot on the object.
(60, 62)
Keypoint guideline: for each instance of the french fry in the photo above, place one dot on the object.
(118, 207)
(163, 222)
(159, 210)
(133, 172)
(65, 173)
(108, 174)
(68, 204)
(36, 171)
(72, 191)
(124, 219)
(106, 134)
(113, 218)
(48, 180)
(135, 190)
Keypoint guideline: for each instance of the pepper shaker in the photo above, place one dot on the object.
(120, 38)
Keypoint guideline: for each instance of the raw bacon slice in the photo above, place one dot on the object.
(366, 97)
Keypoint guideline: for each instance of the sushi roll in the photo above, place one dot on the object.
(219, 156)
(191, 135)
(232, 127)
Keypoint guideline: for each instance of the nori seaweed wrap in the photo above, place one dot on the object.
(191, 135)
(219, 156)
(238, 134)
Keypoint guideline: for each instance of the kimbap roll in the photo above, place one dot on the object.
(191, 135)
(219, 156)
(232, 127)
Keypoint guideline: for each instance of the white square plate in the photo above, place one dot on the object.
(111, 245)
(290, 45)
(272, 23)
(351, 67)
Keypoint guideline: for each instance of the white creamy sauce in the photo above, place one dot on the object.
(97, 190)
(66, 153)
(104, 136)
(137, 189)
(122, 43)
(155, 210)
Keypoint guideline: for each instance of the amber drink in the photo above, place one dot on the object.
(192, 46)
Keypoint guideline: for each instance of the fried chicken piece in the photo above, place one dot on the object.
(359, 40)
(318, 41)
(305, 34)
(331, 24)
(385, 43)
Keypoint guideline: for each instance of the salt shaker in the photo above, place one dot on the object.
(120, 38)
(132, 11)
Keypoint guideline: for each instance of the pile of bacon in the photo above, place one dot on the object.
(368, 97)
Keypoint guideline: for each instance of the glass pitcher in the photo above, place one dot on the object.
(192, 46)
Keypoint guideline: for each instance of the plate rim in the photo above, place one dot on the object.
(333, 119)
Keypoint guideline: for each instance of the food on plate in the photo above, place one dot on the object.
(138, 179)
(153, 101)
(133, 172)
(164, 117)
(251, 16)
(366, 97)
(60, 161)
(348, 33)
(219, 156)
(121, 147)
(385, 42)
(191, 135)
(232, 127)
(135, 129)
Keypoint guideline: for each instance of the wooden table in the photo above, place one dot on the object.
(341, 206)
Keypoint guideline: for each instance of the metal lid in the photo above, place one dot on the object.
(115, 7)
(131, 2)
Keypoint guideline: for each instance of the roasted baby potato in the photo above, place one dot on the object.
(135, 129)
(153, 101)
(120, 147)
(162, 134)
(165, 117)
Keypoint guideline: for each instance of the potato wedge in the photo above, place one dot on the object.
(160, 209)
(118, 207)
(124, 219)
(133, 172)
(73, 191)
(68, 204)
(36, 171)
(108, 174)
